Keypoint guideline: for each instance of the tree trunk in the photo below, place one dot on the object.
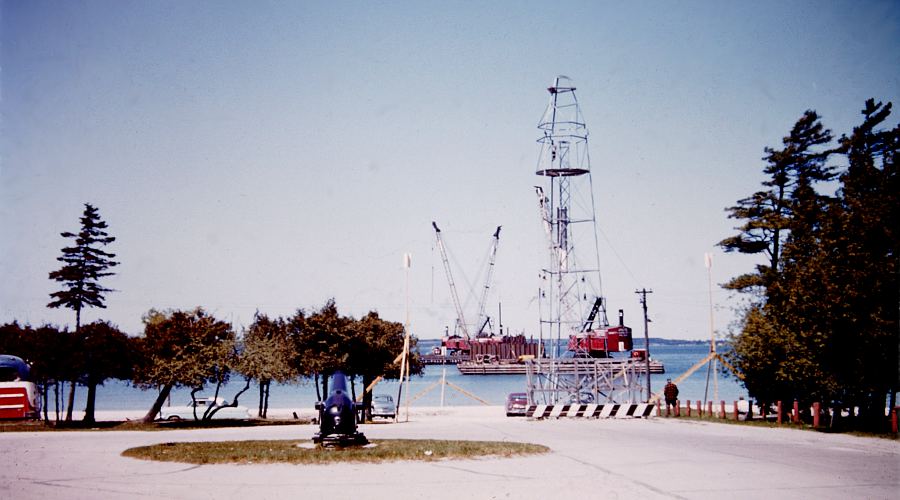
(71, 402)
(89, 407)
(56, 400)
(72, 383)
(212, 410)
(262, 392)
(45, 401)
(157, 405)
(316, 383)
(266, 404)
(367, 396)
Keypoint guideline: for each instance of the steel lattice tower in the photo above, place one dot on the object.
(571, 283)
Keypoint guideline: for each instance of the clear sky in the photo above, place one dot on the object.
(272, 155)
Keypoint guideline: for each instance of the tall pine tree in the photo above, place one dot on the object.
(84, 264)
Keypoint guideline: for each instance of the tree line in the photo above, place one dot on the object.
(195, 350)
(191, 348)
(821, 322)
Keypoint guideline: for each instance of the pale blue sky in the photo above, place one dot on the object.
(269, 156)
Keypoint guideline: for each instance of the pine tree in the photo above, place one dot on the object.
(84, 264)
(767, 213)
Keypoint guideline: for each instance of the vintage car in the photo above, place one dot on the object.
(516, 404)
(202, 404)
(383, 406)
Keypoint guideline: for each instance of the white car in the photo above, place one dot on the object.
(202, 404)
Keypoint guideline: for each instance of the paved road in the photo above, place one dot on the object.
(655, 458)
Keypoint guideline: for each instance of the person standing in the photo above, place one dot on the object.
(671, 394)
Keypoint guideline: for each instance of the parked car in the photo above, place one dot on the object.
(516, 404)
(383, 406)
(186, 412)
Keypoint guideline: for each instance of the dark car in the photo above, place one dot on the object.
(383, 406)
(516, 404)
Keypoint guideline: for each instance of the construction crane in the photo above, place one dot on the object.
(482, 319)
(460, 318)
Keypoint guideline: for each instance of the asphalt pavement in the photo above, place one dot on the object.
(611, 458)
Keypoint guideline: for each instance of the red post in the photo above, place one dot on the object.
(722, 409)
(709, 411)
(894, 419)
(735, 411)
(688, 407)
(780, 413)
(677, 408)
(815, 415)
(699, 409)
(795, 413)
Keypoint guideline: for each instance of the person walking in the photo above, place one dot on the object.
(671, 394)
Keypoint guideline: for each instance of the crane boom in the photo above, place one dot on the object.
(482, 320)
(460, 318)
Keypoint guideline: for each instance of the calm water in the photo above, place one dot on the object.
(678, 358)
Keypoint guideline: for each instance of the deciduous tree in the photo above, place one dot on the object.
(185, 349)
(267, 355)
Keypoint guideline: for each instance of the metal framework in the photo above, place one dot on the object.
(583, 381)
(571, 286)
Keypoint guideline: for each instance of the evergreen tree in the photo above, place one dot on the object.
(866, 240)
(84, 264)
(826, 328)
(767, 213)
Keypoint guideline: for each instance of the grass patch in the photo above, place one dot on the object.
(299, 451)
(786, 424)
(136, 425)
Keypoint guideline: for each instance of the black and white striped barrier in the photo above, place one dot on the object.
(631, 410)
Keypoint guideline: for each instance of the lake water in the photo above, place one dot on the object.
(677, 357)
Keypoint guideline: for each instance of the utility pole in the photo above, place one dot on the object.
(643, 293)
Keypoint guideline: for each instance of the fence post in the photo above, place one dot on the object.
(795, 413)
(894, 419)
(722, 409)
(688, 407)
(778, 418)
(699, 409)
(658, 408)
(735, 411)
(816, 408)
(709, 411)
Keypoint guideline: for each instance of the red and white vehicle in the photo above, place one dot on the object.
(19, 397)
